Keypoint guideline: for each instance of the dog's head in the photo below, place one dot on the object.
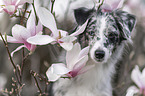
(105, 31)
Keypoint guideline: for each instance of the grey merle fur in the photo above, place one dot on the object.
(106, 33)
(119, 20)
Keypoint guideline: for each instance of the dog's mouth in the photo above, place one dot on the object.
(99, 60)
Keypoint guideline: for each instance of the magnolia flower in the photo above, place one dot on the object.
(10, 6)
(57, 36)
(139, 80)
(20, 34)
(76, 60)
(109, 5)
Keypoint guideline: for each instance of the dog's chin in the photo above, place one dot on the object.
(99, 61)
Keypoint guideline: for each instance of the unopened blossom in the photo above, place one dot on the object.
(76, 60)
(58, 36)
(10, 6)
(20, 34)
(139, 80)
(109, 5)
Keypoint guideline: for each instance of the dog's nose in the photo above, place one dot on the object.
(99, 54)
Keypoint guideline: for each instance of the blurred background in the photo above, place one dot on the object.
(40, 60)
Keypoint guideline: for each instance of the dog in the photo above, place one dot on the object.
(106, 33)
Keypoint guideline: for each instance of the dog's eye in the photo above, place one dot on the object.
(112, 38)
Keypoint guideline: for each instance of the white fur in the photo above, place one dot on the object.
(96, 81)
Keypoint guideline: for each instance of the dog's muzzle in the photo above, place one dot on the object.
(99, 55)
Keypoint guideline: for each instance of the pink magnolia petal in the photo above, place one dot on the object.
(136, 76)
(47, 19)
(40, 39)
(28, 46)
(106, 8)
(10, 9)
(31, 25)
(132, 90)
(84, 52)
(14, 2)
(10, 39)
(33, 47)
(19, 48)
(120, 4)
(72, 56)
(7, 2)
(20, 33)
(110, 5)
(81, 29)
(80, 64)
(66, 46)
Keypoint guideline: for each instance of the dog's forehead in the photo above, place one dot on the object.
(105, 21)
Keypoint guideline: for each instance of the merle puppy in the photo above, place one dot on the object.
(106, 34)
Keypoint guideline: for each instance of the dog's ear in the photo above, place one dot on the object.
(82, 14)
(126, 22)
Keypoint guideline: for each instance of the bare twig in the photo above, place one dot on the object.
(22, 18)
(16, 70)
(35, 12)
(34, 75)
(6, 45)
(22, 65)
(53, 1)
(100, 4)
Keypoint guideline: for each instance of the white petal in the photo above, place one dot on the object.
(12, 39)
(31, 25)
(20, 33)
(66, 46)
(68, 39)
(143, 78)
(39, 27)
(17, 49)
(143, 72)
(40, 40)
(81, 29)
(60, 68)
(132, 90)
(56, 71)
(47, 19)
(80, 64)
(63, 33)
(84, 52)
(136, 76)
(72, 56)
(52, 76)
